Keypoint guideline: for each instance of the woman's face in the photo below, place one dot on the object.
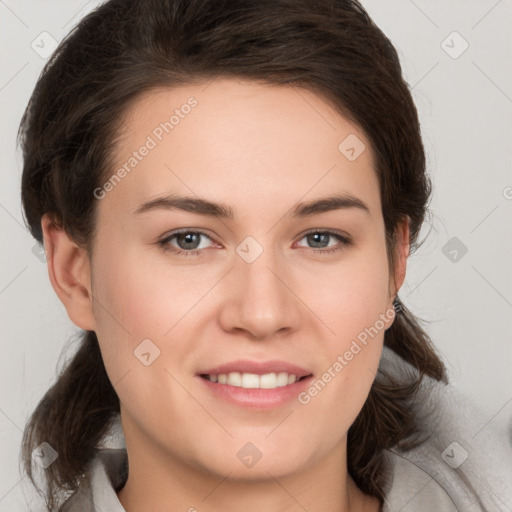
(251, 291)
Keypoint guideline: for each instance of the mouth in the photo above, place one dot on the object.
(260, 386)
(257, 385)
(271, 380)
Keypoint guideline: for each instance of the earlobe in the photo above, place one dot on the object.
(69, 272)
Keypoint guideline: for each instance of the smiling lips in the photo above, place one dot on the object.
(256, 375)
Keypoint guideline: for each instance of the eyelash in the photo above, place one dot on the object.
(164, 244)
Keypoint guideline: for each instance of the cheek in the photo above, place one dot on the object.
(354, 306)
(127, 310)
(351, 297)
(138, 300)
(133, 298)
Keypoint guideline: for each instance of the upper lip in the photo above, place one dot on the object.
(257, 367)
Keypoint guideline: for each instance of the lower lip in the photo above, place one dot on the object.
(256, 398)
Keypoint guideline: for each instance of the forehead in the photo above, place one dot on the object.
(243, 143)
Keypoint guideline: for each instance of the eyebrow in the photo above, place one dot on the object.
(205, 207)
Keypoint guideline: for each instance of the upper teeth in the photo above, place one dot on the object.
(251, 380)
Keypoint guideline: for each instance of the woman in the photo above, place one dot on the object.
(270, 365)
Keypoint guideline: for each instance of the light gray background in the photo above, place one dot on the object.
(465, 106)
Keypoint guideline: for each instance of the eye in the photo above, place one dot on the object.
(187, 241)
(319, 238)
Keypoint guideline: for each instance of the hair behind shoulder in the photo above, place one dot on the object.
(69, 130)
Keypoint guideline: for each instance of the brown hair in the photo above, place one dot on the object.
(68, 132)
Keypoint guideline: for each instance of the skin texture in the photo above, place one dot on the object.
(261, 150)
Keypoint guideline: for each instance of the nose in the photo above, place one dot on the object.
(260, 298)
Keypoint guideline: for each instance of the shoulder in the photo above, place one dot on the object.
(461, 463)
(413, 489)
(105, 475)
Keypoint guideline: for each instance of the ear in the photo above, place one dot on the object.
(401, 253)
(69, 271)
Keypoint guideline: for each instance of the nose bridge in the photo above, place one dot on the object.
(258, 264)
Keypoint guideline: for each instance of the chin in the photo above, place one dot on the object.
(254, 460)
